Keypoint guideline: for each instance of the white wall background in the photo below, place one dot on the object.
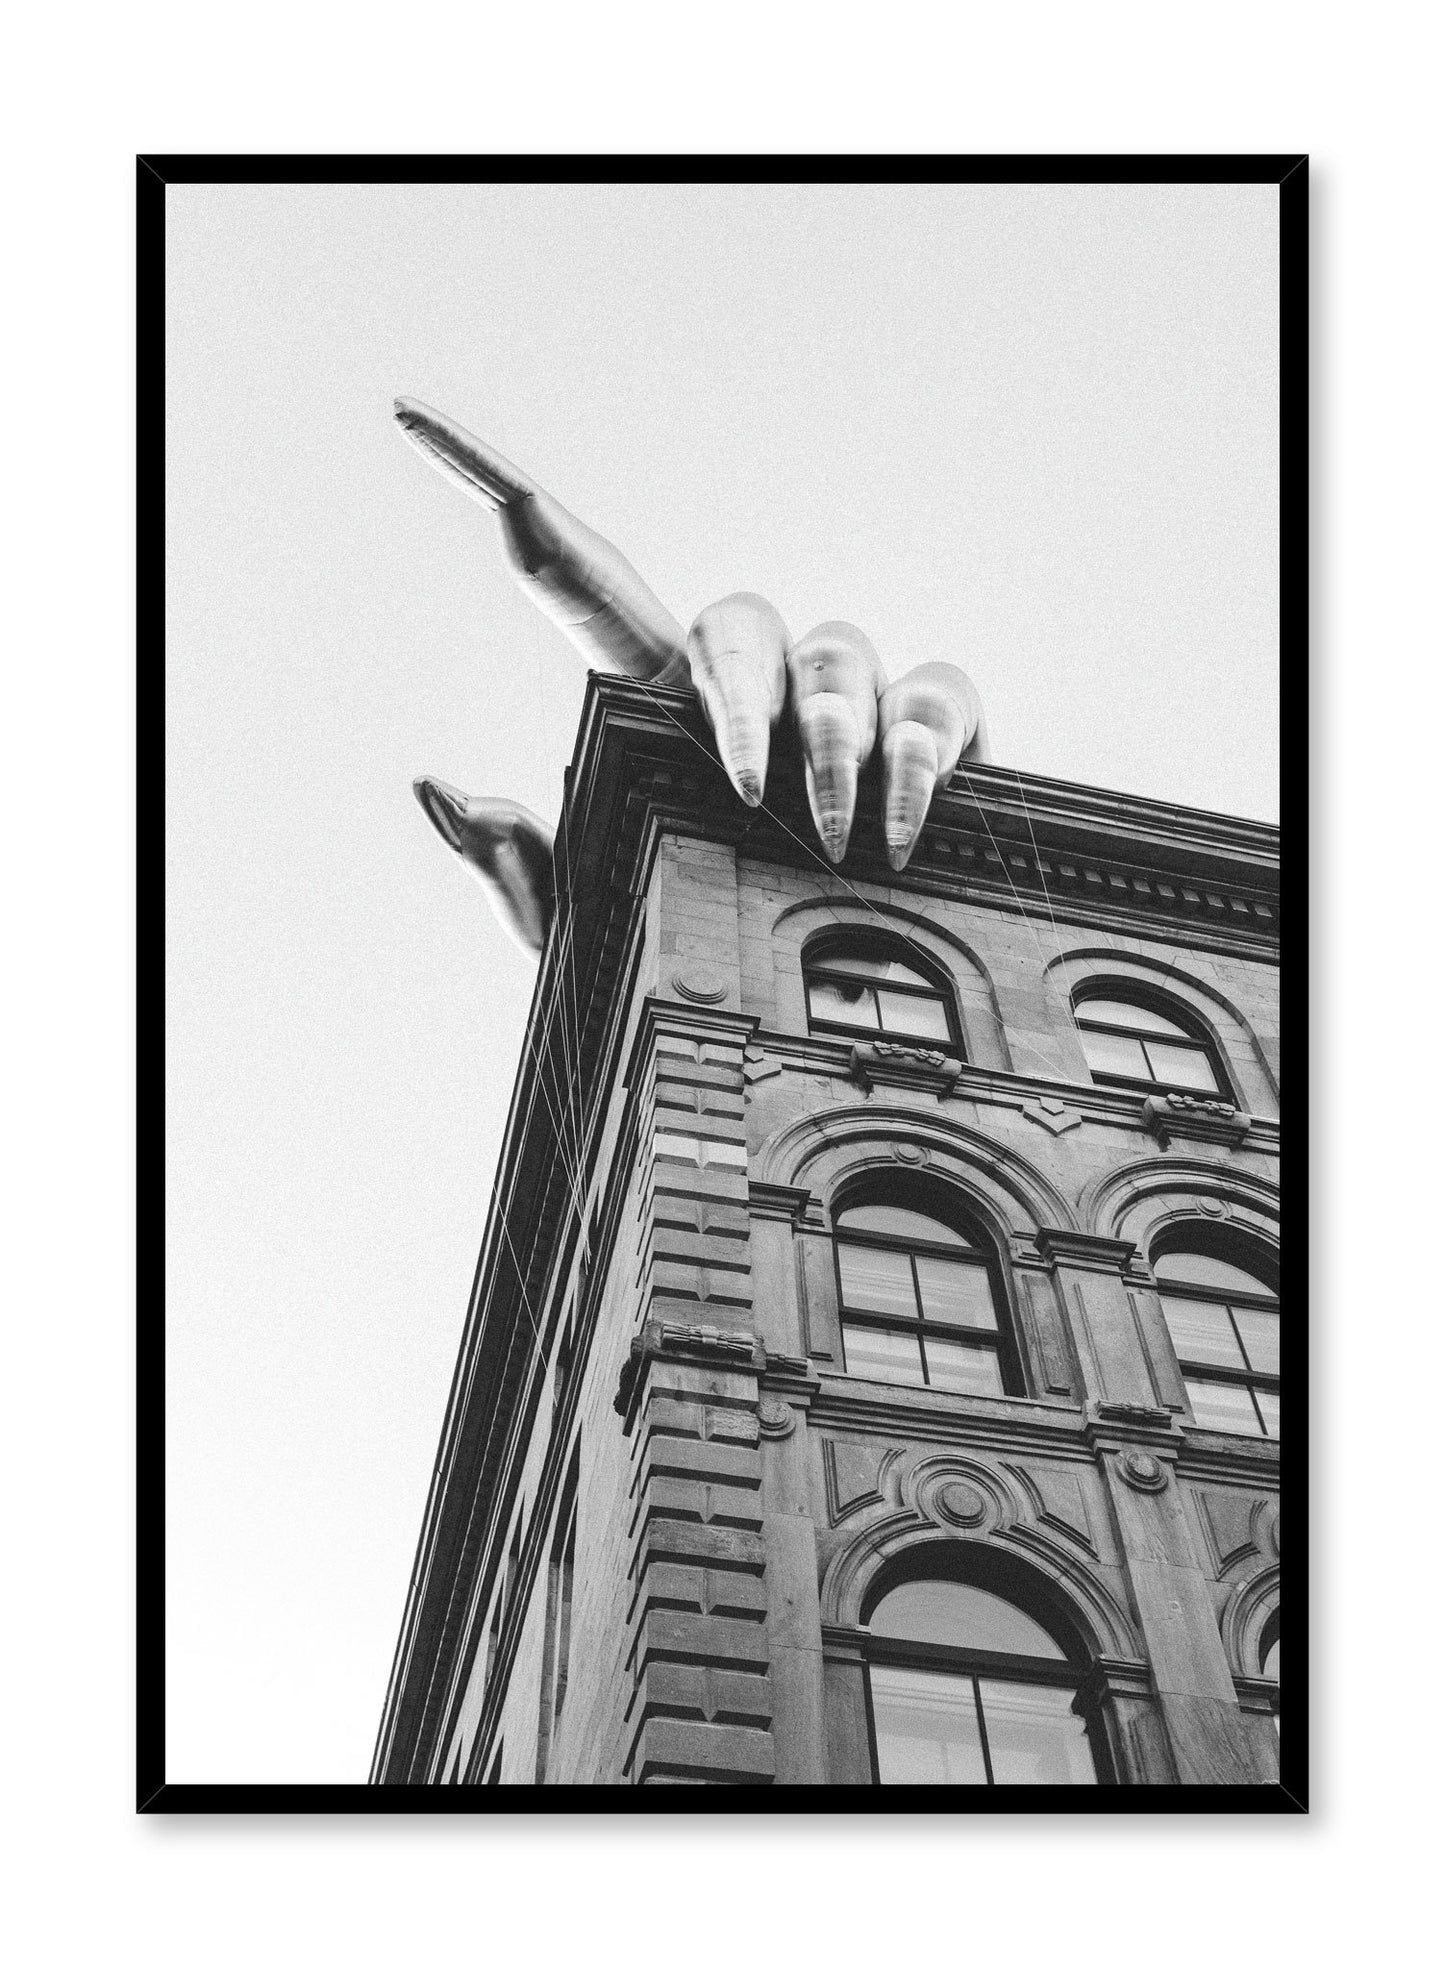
(93, 1877)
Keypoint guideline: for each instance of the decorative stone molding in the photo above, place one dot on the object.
(852, 1476)
(1141, 1471)
(1057, 1116)
(702, 1346)
(960, 1504)
(700, 984)
(785, 1200)
(1186, 1117)
(1082, 1252)
(1134, 1426)
(1243, 1619)
(776, 1418)
(921, 1068)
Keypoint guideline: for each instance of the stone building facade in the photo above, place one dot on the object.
(871, 1374)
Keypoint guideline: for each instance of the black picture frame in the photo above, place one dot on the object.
(155, 1793)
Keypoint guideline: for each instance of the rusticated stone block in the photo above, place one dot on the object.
(714, 1546)
(703, 1695)
(715, 1753)
(694, 1419)
(712, 1463)
(672, 1498)
(691, 1589)
(703, 1638)
(696, 1284)
(670, 1243)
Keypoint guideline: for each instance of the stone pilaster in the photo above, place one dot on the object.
(700, 1704)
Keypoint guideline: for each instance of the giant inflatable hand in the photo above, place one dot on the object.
(739, 659)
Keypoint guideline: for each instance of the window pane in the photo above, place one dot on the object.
(1201, 1332)
(1034, 1737)
(963, 1370)
(1107, 1052)
(1195, 1268)
(879, 1355)
(887, 969)
(961, 1293)
(924, 1017)
(926, 1727)
(877, 1281)
(952, 1615)
(1181, 1066)
(1218, 1405)
(1260, 1334)
(893, 1221)
(1114, 1012)
(1269, 1409)
(844, 1004)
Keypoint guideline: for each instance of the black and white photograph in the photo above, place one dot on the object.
(723, 1034)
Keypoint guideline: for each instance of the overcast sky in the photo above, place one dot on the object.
(1028, 430)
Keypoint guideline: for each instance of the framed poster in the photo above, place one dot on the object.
(781, 1295)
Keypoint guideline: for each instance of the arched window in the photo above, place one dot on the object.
(921, 1296)
(877, 985)
(1222, 1309)
(1134, 1040)
(968, 1686)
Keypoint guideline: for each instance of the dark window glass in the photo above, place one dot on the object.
(1137, 1045)
(920, 1303)
(1035, 1735)
(886, 970)
(959, 1294)
(875, 1281)
(1203, 1268)
(962, 1370)
(864, 988)
(927, 1727)
(893, 1221)
(1202, 1331)
(876, 1354)
(1224, 1322)
(924, 1018)
(1139, 1018)
(968, 1688)
(831, 1002)
(950, 1614)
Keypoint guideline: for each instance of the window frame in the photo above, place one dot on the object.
(1248, 1258)
(1075, 1672)
(1193, 1032)
(878, 945)
(981, 1252)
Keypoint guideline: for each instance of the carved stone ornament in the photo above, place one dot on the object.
(1189, 1117)
(913, 1153)
(960, 1504)
(776, 1419)
(923, 1068)
(1141, 1471)
(711, 1347)
(701, 984)
(1057, 1116)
